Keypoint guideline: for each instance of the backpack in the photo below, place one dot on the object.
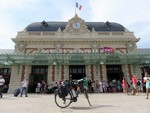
(138, 83)
(62, 92)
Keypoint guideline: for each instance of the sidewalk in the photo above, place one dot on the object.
(102, 103)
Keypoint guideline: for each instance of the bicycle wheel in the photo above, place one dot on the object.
(63, 102)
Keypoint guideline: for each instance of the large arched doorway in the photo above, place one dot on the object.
(38, 73)
(77, 72)
(114, 72)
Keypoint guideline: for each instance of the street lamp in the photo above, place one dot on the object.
(7, 63)
(54, 63)
(101, 62)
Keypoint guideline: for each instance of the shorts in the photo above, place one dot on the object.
(134, 86)
(147, 85)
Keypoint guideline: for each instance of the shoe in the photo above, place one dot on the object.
(147, 98)
(26, 95)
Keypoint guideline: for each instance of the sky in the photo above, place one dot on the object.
(15, 15)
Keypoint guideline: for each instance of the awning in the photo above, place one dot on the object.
(74, 58)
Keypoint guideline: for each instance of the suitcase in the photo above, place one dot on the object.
(16, 92)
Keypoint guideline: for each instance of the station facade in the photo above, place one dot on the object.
(54, 51)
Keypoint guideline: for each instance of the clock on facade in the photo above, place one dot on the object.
(76, 25)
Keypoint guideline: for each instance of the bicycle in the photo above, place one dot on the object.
(70, 94)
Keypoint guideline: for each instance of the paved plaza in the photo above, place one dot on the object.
(102, 103)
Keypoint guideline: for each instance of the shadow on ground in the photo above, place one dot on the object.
(91, 107)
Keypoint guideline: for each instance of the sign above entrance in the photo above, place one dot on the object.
(71, 50)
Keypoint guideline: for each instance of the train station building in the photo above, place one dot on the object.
(56, 50)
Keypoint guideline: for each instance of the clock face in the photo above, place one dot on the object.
(76, 25)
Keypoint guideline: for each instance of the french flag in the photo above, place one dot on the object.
(78, 6)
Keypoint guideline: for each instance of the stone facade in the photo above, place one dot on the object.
(72, 40)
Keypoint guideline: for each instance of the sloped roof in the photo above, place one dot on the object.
(54, 26)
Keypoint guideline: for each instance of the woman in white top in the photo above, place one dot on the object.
(2, 82)
(147, 81)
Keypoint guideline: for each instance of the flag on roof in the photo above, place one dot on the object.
(78, 6)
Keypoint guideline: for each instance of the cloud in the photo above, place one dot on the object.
(17, 14)
(133, 14)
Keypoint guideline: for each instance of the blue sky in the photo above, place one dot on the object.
(15, 15)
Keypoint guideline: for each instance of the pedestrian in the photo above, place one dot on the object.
(124, 86)
(2, 82)
(97, 87)
(85, 84)
(147, 81)
(24, 87)
(104, 86)
(134, 84)
(43, 87)
(38, 87)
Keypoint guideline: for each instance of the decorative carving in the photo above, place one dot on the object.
(94, 47)
(59, 30)
(58, 45)
(93, 29)
(130, 45)
(21, 46)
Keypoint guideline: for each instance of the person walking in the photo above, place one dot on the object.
(125, 86)
(147, 81)
(24, 87)
(2, 82)
(134, 84)
(43, 87)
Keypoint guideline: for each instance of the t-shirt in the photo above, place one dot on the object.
(2, 81)
(124, 83)
(134, 80)
(147, 79)
(24, 83)
(85, 83)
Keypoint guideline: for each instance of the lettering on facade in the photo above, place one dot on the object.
(71, 50)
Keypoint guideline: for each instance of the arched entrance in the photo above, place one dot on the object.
(38, 73)
(77, 72)
(114, 72)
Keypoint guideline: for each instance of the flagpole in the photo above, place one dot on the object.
(75, 7)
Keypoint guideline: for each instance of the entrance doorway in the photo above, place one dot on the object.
(114, 72)
(38, 73)
(77, 72)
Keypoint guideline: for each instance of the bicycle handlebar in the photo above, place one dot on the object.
(74, 82)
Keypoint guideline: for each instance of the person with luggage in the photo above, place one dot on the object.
(2, 82)
(24, 87)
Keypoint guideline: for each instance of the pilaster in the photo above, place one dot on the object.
(15, 81)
